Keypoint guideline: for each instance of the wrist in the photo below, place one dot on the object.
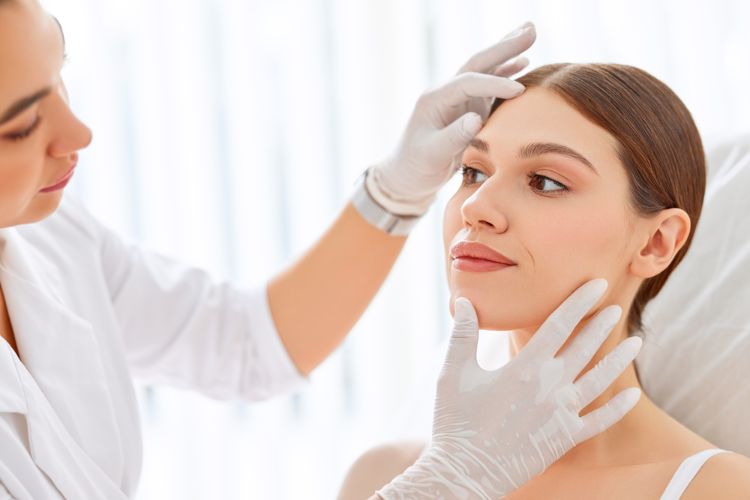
(376, 213)
(388, 197)
(432, 477)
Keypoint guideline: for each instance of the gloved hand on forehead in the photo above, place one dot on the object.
(495, 430)
(443, 122)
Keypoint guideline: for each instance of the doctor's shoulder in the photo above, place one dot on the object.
(725, 476)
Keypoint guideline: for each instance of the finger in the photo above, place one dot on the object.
(511, 67)
(510, 46)
(560, 324)
(464, 336)
(596, 380)
(456, 136)
(470, 85)
(579, 353)
(606, 416)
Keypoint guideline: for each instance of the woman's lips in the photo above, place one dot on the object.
(60, 183)
(477, 257)
(472, 264)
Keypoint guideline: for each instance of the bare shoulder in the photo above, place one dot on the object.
(725, 476)
(377, 467)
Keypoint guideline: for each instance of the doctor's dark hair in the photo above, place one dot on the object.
(657, 143)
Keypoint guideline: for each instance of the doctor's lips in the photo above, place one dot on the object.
(474, 256)
(62, 182)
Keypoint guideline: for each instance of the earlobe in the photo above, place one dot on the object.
(667, 235)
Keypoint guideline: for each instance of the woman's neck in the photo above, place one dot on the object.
(519, 339)
(646, 434)
(597, 451)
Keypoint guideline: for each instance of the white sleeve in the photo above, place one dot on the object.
(181, 327)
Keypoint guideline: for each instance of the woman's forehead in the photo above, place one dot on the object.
(541, 115)
(30, 49)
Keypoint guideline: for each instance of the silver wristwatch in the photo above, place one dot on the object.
(377, 215)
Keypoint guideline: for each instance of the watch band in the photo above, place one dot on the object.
(376, 214)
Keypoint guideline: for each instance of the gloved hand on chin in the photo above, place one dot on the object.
(495, 430)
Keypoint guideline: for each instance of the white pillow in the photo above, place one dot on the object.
(695, 361)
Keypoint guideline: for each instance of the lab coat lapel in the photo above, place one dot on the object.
(59, 350)
(12, 398)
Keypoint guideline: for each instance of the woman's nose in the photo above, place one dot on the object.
(71, 133)
(482, 210)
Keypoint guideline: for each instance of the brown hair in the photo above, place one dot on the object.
(658, 144)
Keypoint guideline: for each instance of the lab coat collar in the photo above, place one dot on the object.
(69, 412)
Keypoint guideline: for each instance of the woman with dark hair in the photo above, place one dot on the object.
(81, 309)
(596, 170)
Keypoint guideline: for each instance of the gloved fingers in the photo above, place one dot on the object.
(457, 135)
(461, 89)
(606, 416)
(579, 353)
(511, 67)
(596, 380)
(465, 322)
(560, 324)
(510, 46)
(464, 336)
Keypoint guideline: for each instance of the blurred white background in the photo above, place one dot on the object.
(228, 134)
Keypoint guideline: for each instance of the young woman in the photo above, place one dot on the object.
(81, 310)
(597, 169)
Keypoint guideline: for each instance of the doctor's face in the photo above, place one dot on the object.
(39, 135)
(561, 221)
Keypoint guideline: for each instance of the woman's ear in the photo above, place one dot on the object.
(667, 233)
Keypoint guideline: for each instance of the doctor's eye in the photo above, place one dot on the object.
(469, 175)
(23, 134)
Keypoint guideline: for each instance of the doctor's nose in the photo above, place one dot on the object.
(72, 134)
(482, 211)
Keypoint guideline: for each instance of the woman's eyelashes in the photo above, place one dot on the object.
(534, 177)
(23, 134)
(469, 175)
(537, 182)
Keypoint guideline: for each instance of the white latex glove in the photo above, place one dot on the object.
(443, 122)
(495, 430)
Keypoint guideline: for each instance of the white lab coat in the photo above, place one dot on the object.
(89, 311)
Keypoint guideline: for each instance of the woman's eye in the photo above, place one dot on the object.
(537, 179)
(23, 134)
(469, 175)
(539, 183)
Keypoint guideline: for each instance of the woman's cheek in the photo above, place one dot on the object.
(452, 224)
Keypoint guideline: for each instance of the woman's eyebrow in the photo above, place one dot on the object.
(24, 103)
(534, 149)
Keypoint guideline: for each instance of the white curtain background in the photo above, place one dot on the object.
(228, 134)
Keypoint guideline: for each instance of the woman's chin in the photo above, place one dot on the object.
(494, 313)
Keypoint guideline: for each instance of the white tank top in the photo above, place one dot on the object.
(686, 472)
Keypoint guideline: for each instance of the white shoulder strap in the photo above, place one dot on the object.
(686, 472)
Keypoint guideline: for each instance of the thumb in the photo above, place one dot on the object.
(456, 136)
(465, 334)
